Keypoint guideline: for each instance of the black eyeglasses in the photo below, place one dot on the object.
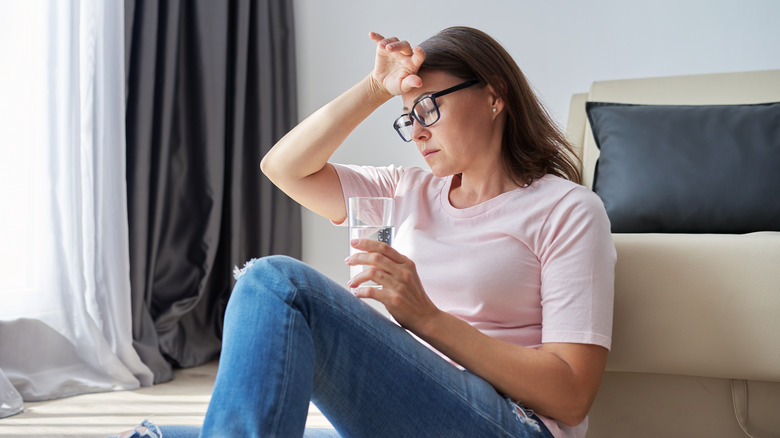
(425, 111)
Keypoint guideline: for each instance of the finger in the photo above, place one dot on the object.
(418, 56)
(380, 40)
(355, 282)
(375, 36)
(385, 42)
(371, 245)
(368, 292)
(402, 47)
(409, 82)
(371, 261)
(375, 293)
(371, 274)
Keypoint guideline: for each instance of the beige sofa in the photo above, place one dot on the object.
(696, 337)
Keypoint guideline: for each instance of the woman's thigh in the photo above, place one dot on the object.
(395, 386)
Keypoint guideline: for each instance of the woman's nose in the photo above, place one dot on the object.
(420, 132)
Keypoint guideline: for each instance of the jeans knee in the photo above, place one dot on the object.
(277, 274)
(277, 262)
(284, 278)
(261, 280)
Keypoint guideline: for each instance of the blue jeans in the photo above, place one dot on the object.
(291, 335)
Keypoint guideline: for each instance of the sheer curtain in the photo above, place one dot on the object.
(65, 323)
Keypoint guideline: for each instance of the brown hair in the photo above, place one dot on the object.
(532, 145)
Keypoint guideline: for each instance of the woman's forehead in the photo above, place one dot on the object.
(432, 81)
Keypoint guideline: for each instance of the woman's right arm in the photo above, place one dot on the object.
(298, 163)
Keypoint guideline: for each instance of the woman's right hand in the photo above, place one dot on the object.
(396, 65)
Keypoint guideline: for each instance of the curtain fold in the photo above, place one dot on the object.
(210, 88)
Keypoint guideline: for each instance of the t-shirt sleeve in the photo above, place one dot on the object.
(368, 181)
(578, 271)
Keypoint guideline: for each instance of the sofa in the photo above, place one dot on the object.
(696, 334)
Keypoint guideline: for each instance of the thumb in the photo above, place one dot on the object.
(410, 82)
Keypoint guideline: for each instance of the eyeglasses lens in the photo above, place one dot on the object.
(426, 111)
(404, 127)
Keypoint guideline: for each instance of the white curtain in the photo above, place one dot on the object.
(65, 323)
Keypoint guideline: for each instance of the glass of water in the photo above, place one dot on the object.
(369, 218)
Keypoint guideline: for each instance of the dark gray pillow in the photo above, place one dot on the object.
(688, 169)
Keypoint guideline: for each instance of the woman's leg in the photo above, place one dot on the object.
(194, 432)
(291, 335)
(263, 382)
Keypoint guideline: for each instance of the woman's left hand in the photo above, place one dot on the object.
(401, 293)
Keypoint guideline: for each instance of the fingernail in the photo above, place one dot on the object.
(354, 241)
(346, 260)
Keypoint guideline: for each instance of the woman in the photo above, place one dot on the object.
(501, 262)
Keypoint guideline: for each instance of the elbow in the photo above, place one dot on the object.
(264, 166)
(278, 168)
(573, 418)
(267, 166)
(576, 412)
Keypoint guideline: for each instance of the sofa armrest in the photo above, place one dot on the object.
(698, 304)
(575, 131)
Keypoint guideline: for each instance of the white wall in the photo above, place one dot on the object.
(562, 46)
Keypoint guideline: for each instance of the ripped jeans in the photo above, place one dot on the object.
(292, 335)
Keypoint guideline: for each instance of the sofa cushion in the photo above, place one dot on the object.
(688, 169)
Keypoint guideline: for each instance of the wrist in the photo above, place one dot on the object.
(376, 91)
(430, 327)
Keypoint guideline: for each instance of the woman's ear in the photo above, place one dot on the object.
(496, 102)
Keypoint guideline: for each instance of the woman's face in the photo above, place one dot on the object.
(465, 137)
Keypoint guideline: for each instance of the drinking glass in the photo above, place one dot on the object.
(369, 218)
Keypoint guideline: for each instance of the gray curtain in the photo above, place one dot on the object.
(210, 88)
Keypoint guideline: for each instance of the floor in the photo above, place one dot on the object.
(181, 401)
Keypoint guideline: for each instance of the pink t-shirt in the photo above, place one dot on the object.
(530, 266)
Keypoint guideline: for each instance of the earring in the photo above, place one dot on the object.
(494, 110)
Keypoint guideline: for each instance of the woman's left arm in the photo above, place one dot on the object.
(558, 380)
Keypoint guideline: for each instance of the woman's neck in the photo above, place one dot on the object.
(468, 190)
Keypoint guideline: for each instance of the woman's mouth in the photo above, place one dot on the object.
(428, 152)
